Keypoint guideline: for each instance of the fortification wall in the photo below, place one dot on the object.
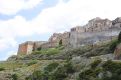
(25, 48)
(78, 39)
(94, 31)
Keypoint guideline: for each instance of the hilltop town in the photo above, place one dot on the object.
(95, 31)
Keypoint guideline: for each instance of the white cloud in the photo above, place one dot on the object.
(7, 43)
(59, 18)
(10, 7)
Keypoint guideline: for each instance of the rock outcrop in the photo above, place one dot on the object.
(117, 52)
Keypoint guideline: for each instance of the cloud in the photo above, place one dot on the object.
(7, 43)
(8, 54)
(11, 7)
(58, 18)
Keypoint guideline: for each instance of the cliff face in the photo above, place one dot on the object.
(96, 30)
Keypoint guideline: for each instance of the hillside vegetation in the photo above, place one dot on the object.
(84, 63)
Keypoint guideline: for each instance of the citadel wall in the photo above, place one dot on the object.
(96, 30)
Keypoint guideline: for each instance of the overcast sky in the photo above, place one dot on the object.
(23, 20)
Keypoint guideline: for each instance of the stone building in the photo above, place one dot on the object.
(98, 24)
(78, 29)
(25, 48)
(29, 46)
(96, 30)
(55, 39)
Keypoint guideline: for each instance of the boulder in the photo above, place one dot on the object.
(117, 52)
(5, 76)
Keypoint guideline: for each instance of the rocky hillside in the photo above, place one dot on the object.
(99, 61)
(83, 63)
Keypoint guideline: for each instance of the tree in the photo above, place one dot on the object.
(60, 42)
(119, 37)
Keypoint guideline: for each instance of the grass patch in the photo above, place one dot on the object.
(50, 51)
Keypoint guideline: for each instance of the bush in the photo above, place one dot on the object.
(50, 67)
(53, 71)
(37, 75)
(62, 71)
(119, 37)
(87, 75)
(52, 51)
(60, 42)
(60, 47)
(36, 52)
(32, 62)
(39, 49)
(109, 70)
(113, 45)
(69, 68)
(59, 74)
(79, 51)
(112, 66)
(47, 51)
(14, 77)
(95, 63)
(2, 69)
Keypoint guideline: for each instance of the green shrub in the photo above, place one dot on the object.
(119, 37)
(86, 75)
(37, 75)
(95, 63)
(60, 42)
(32, 62)
(110, 70)
(60, 47)
(14, 77)
(2, 69)
(59, 74)
(36, 52)
(52, 51)
(62, 72)
(53, 71)
(50, 67)
(47, 51)
(113, 45)
(69, 68)
(112, 66)
(39, 49)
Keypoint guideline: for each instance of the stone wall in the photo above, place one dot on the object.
(98, 24)
(96, 30)
(25, 48)
(29, 46)
(49, 45)
(37, 44)
(55, 39)
(78, 29)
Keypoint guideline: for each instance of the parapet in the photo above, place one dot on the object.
(78, 29)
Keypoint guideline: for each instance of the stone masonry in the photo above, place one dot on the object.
(29, 46)
(96, 30)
